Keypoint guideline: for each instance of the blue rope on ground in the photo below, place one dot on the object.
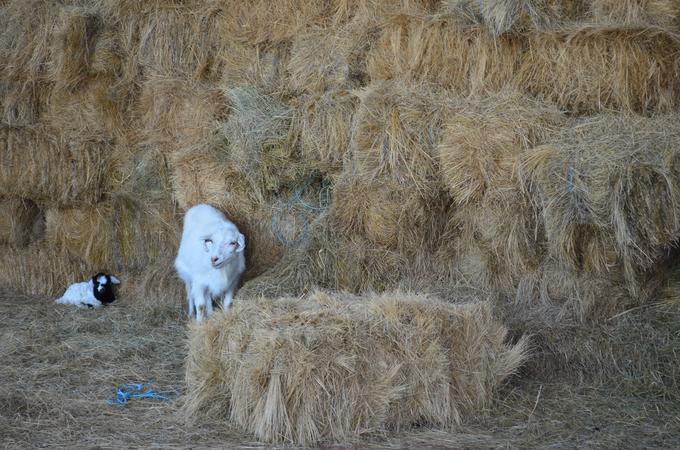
(127, 392)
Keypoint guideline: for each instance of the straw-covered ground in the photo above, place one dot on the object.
(61, 365)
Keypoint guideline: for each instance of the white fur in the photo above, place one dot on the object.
(210, 259)
(80, 294)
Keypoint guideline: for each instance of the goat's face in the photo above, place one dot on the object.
(102, 281)
(221, 245)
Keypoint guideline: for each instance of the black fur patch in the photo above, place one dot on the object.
(103, 292)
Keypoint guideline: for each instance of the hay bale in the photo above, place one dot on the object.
(181, 39)
(324, 122)
(39, 270)
(607, 188)
(482, 141)
(497, 241)
(442, 51)
(261, 139)
(592, 69)
(47, 167)
(504, 16)
(262, 66)
(21, 104)
(176, 113)
(25, 45)
(263, 22)
(115, 235)
(331, 368)
(29, 30)
(19, 221)
(330, 58)
(554, 293)
(333, 260)
(395, 132)
(665, 13)
(596, 68)
(95, 109)
(387, 214)
(203, 174)
(73, 46)
(108, 55)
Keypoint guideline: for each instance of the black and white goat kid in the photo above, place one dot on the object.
(94, 293)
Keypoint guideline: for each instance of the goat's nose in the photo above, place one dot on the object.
(214, 259)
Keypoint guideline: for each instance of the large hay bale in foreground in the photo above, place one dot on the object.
(331, 368)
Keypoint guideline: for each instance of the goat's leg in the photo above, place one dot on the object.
(191, 308)
(200, 302)
(228, 298)
(208, 306)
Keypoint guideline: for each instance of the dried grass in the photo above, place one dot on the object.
(40, 270)
(114, 235)
(96, 109)
(483, 140)
(334, 367)
(21, 104)
(48, 167)
(175, 113)
(395, 133)
(607, 189)
(386, 214)
(25, 45)
(261, 142)
(19, 221)
(182, 39)
(440, 50)
(73, 47)
(664, 13)
(591, 69)
(325, 123)
(261, 21)
(512, 16)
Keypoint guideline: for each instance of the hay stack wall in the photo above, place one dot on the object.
(366, 145)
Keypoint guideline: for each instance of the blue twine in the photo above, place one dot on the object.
(296, 204)
(127, 392)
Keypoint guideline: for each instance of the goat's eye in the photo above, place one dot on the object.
(233, 243)
(208, 241)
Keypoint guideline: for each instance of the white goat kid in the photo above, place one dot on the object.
(210, 259)
(94, 293)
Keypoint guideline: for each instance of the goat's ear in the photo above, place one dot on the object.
(241, 242)
(114, 280)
